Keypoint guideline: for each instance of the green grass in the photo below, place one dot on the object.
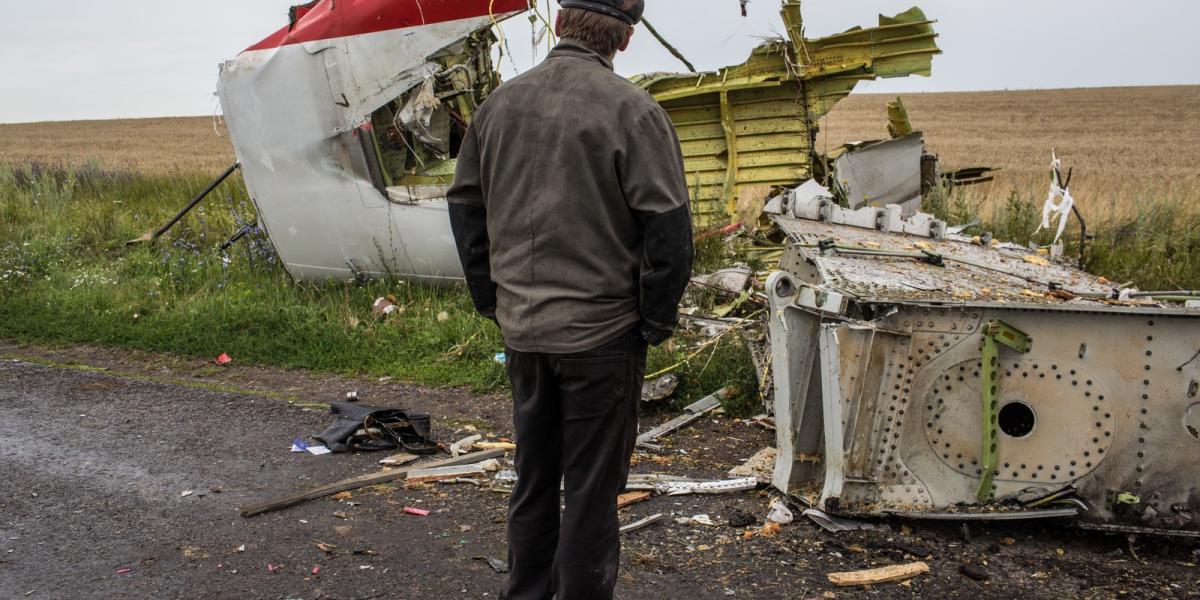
(67, 277)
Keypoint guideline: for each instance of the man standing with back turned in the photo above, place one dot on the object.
(570, 211)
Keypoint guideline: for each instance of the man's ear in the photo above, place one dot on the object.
(628, 37)
(558, 25)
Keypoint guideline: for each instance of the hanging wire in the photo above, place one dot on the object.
(500, 34)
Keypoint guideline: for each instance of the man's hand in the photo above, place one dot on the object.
(655, 336)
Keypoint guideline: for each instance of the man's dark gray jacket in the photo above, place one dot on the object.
(570, 207)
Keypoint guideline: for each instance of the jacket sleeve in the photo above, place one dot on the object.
(468, 221)
(655, 187)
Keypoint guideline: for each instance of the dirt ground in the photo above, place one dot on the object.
(123, 474)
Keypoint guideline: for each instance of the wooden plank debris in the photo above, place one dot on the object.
(444, 473)
(690, 414)
(631, 498)
(362, 481)
(495, 445)
(399, 460)
(881, 575)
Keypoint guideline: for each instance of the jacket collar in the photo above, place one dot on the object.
(574, 49)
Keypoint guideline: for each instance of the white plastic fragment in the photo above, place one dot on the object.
(780, 513)
(1052, 206)
(464, 445)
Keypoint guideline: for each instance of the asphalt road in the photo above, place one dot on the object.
(94, 474)
(112, 486)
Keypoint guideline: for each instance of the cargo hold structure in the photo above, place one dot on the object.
(933, 376)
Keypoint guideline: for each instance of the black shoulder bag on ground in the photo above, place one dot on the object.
(361, 428)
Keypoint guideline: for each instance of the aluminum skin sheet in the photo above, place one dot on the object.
(998, 274)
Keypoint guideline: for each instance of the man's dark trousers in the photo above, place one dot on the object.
(576, 421)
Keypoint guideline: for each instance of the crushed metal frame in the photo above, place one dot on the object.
(880, 380)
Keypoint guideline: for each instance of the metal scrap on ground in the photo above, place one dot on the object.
(690, 414)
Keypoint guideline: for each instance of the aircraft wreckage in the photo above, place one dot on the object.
(347, 121)
(916, 372)
(930, 375)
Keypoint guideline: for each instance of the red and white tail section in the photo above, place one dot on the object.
(293, 103)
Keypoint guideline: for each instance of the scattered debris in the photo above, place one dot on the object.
(399, 460)
(496, 564)
(733, 280)
(631, 498)
(384, 307)
(690, 414)
(464, 445)
(976, 572)
(739, 518)
(761, 466)
(120, 571)
(661, 388)
(501, 358)
(780, 513)
(636, 525)
(362, 481)
(766, 422)
(508, 446)
(834, 524)
(683, 488)
(674, 485)
(881, 575)
(325, 547)
(491, 466)
(222, 360)
(418, 512)
(186, 493)
(273, 568)
(770, 529)
(701, 519)
(444, 473)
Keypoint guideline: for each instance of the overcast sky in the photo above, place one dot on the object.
(87, 59)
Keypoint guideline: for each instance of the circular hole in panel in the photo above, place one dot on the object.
(1017, 419)
(1191, 420)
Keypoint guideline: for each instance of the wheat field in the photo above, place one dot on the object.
(1125, 144)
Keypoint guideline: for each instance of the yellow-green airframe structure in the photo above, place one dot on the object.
(755, 124)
